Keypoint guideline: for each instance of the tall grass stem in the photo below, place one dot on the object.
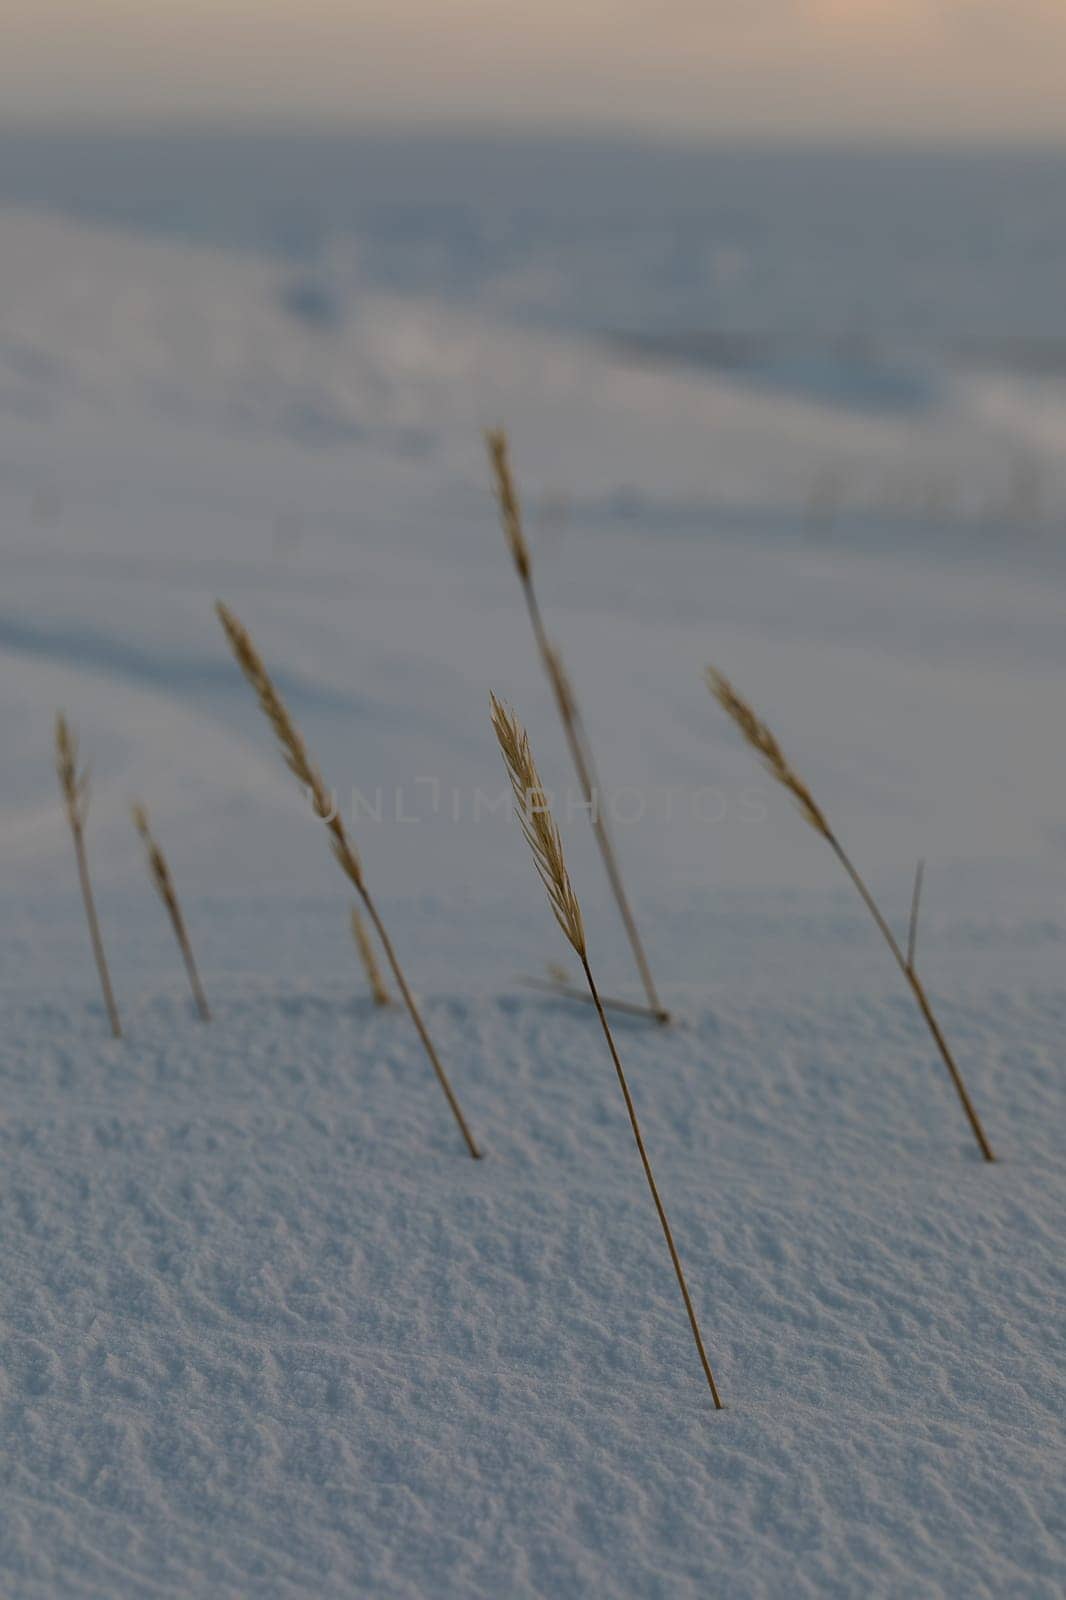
(766, 746)
(299, 763)
(574, 728)
(542, 836)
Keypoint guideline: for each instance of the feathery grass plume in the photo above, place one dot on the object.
(300, 764)
(369, 959)
(542, 835)
(538, 824)
(293, 749)
(164, 883)
(566, 703)
(74, 785)
(766, 746)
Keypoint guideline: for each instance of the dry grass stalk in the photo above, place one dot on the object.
(370, 961)
(164, 883)
(74, 784)
(507, 494)
(573, 726)
(763, 742)
(300, 764)
(541, 832)
(912, 931)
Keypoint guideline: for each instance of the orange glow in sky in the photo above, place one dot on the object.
(954, 67)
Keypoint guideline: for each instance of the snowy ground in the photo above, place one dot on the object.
(266, 1329)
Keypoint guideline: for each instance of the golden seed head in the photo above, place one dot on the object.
(507, 497)
(73, 784)
(157, 861)
(293, 748)
(538, 824)
(767, 748)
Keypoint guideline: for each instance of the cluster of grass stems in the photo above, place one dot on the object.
(74, 788)
(541, 834)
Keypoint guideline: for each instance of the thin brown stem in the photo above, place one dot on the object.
(646, 1163)
(918, 990)
(299, 762)
(912, 931)
(164, 887)
(94, 926)
(374, 977)
(181, 934)
(416, 1018)
(581, 755)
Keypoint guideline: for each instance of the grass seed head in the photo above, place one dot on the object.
(538, 824)
(767, 748)
(507, 497)
(293, 748)
(73, 783)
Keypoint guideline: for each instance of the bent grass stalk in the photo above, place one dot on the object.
(765, 745)
(543, 838)
(164, 884)
(370, 961)
(303, 768)
(562, 989)
(566, 703)
(74, 785)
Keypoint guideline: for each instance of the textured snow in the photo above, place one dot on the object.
(271, 1332)
(266, 1330)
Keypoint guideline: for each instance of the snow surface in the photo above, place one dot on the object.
(266, 1330)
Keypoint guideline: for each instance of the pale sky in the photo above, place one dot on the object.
(961, 68)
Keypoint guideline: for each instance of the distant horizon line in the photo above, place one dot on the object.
(528, 134)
